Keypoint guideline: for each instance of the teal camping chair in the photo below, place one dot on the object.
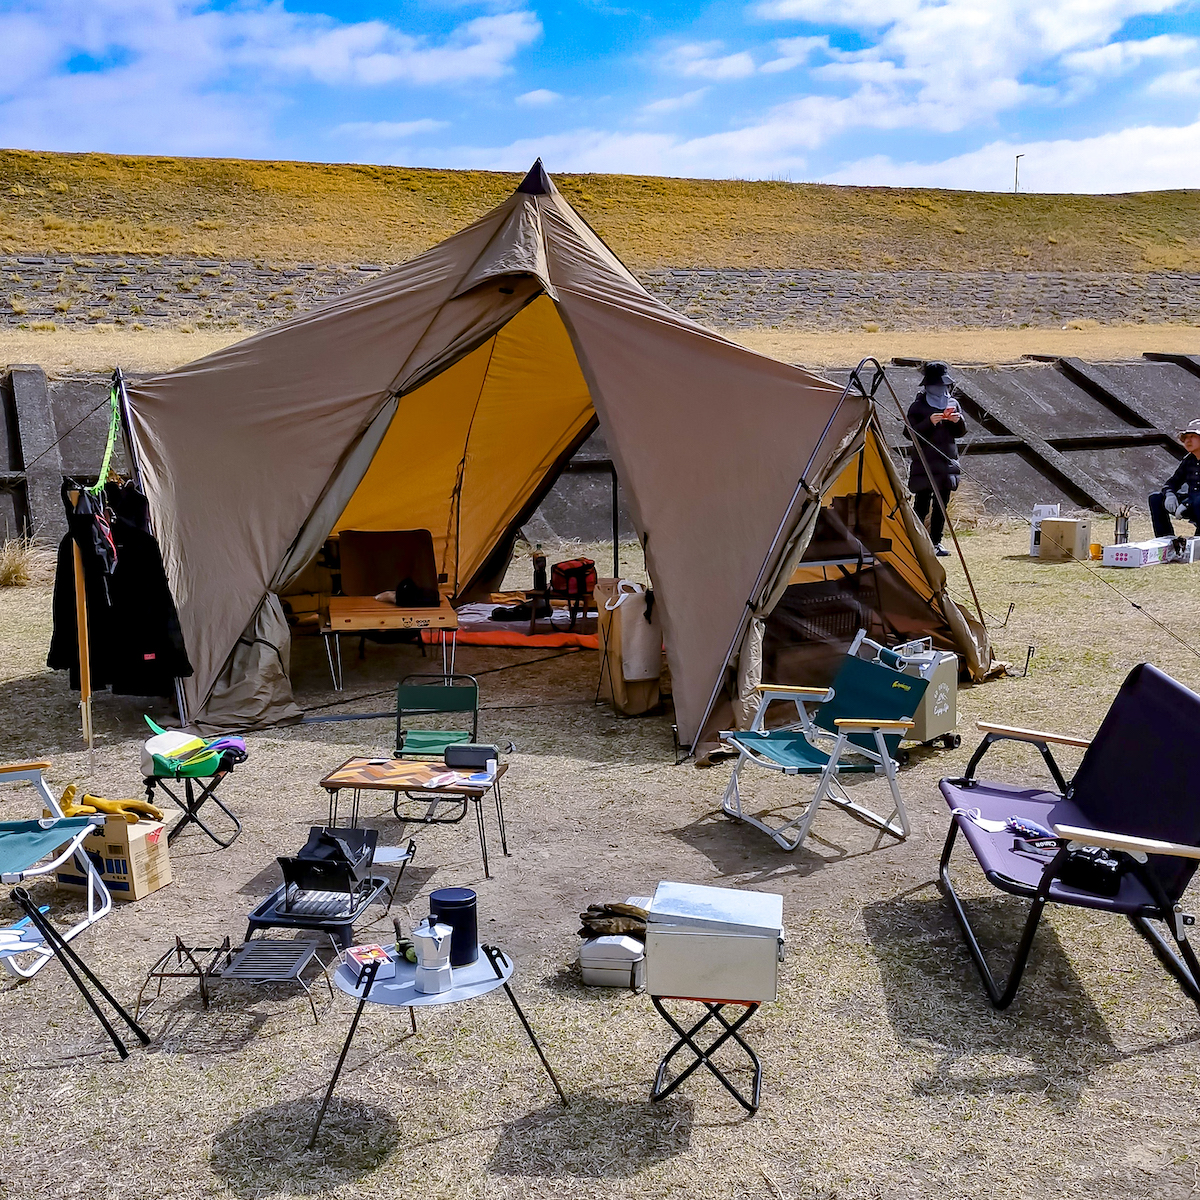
(434, 695)
(856, 728)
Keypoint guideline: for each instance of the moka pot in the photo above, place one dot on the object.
(432, 943)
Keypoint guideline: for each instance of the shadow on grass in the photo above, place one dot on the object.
(594, 1138)
(264, 1153)
(1051, 1039)
(739, 850)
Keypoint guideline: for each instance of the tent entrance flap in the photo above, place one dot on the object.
(465, 451)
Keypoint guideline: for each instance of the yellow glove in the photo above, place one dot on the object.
(70, 808)
(128, 809)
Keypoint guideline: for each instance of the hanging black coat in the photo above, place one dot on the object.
(134, 639)
(940, 446)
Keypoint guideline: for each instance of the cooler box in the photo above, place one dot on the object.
(937, 714)
(713, 943)
(613, 961)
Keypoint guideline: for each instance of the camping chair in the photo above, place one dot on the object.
(29, 849)
(1135, 794)
(856, 729)
(327, 886)
(430, 695)
(175, 755)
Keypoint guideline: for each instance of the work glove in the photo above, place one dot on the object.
(128, 810)
(1171, 502)
(603, 920)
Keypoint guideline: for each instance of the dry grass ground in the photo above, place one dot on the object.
(102, 348)
(887, 1073)
(297, 212)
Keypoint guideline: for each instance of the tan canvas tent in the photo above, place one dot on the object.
(446, 394)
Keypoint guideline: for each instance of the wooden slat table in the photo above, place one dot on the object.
(431, 779)
(361, 614)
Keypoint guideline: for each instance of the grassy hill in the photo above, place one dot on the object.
(313, 212)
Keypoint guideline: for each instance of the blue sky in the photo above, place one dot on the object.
(1099, 95)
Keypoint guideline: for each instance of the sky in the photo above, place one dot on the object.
(1097, 95)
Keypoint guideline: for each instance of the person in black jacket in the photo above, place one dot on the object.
(1181, 493)
(937, 423)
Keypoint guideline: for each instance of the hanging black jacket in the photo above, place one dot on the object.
(940, 446)
(134, 639)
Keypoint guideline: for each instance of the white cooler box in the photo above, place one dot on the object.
(713, 943)
(615, 960)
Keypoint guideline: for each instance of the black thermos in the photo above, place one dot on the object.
(457, 907)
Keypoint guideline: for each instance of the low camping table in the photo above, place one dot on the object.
(364, 614)
(703, 1056)
(491, 970)
(406, 775)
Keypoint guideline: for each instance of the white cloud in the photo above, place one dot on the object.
(539, 98)
(1176, 83)
(795, 52)
(949, 63)
(181, 76)
(670, 104)
(1117, 57)
(372, 52)
(855, 14)
(389, 130)
(703, 60)
(1129, 160)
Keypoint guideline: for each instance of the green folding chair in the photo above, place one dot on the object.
(856, 728)
(434, 695)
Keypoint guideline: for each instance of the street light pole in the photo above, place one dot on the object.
(1017, 173)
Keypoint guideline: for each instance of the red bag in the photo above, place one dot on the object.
(575, 577)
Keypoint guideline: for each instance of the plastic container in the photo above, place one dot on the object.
(458, 908)
(1096, 550)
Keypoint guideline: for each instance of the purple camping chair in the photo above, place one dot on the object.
(1136, 793)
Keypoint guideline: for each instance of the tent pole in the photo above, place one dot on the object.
(81, 635)
(616, 526)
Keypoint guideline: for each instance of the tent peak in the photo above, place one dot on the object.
(536, 182)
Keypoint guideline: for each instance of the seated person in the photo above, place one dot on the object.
(1181, 493)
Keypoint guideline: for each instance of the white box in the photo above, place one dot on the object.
(1040, 513)
(615, 960)
(1137, 554)
(713, 943)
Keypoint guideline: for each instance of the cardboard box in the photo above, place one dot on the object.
(133, 860)
(1040, 513)
(1137, 554)
(1064, 538)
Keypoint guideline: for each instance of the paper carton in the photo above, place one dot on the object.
(133, 860)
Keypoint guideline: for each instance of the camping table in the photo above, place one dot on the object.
(360, 614)
(491, 970)
(398, 775)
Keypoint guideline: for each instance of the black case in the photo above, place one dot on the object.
(463, 755)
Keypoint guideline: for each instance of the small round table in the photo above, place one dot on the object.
(491, 970)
